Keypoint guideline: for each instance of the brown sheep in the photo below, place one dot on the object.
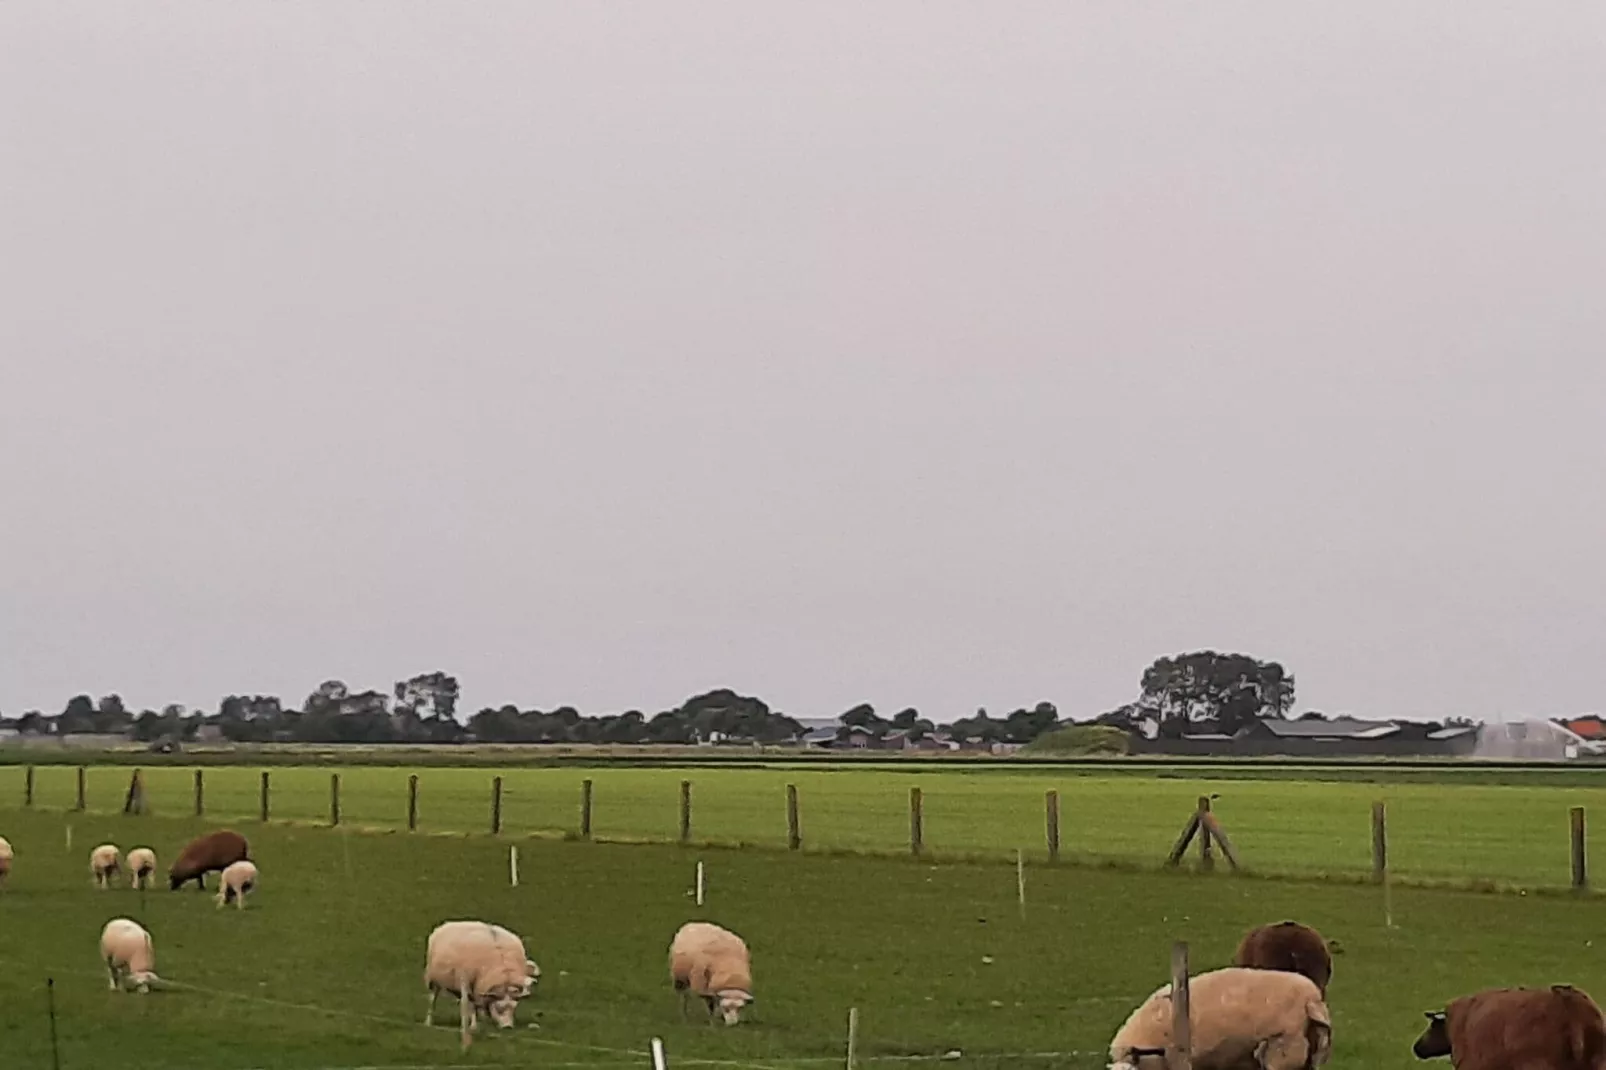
(213, 851)
(1290, 947)
(1555, 1028)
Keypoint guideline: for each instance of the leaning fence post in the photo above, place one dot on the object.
(1051, 816)
(496, 806)
(412, 802)
(1207, 856)
(135, 801)
(264, 795)
(200, 794)
(585, 809)
(917, 822)
(334, 798)
(794, 831)
(1580, 864)
(1180, 1055)
(685, 811)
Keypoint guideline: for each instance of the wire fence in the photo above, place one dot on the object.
(1465, 833)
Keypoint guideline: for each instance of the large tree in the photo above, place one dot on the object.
(1232, 690)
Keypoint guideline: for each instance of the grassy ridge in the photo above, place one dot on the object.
(323, 969)
(1514, 834)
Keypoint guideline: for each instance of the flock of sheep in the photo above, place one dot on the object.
(1268, 1011)
(126, 947)
(483, 965)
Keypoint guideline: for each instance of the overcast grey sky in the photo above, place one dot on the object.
(914, 353)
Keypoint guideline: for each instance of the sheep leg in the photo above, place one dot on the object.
(429, 1012)
(111, 968)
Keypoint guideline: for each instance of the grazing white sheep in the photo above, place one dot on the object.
(126, 949)
(6, 856)
(1239, 1017)
(485, 962)
(714, 963)
(105, 862)
(141, 867)
(238, 878)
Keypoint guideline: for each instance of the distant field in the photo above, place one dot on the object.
(1444, 830)
(322, 971)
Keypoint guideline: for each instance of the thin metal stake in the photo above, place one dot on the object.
(55, 1046)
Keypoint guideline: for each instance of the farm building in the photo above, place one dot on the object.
(1534, 739)
(1590, 730)
(843, 737)
(1339, 738)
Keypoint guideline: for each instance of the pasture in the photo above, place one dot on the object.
(323, 968)
(1441, 830)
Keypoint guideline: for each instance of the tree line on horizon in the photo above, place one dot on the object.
(1202, 690)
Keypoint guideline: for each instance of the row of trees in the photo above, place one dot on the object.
(1223, 692)
(421, 709)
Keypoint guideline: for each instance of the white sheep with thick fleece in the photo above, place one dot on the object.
(126, 949)
(6, 856)
(485, 961)
(238, 878)
(105, 862)
(712, 962)
(141, 867)
(1239, 1016)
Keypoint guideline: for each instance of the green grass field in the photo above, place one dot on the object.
(323, 968)
(1440, 831)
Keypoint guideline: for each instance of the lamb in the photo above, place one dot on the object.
(239, 878)
(1241, 1019)
(1555, 1028)
(126, 949)
(141, 867)
(213, 851)
(484, 963)
(104, 864)
(6, 856)
(1289, 946)
(712, 962)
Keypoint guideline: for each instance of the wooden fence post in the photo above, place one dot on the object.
(917, 822)
(135, 801)
(794, 830)
(1580, 864)
(1380, 841)
(27, 787)
(412, 802)
(1051, 815)
(334, 798)
(685, 811)
(83, 798)
(1207, 855)
(585, 809)
(264, 795)
(200, 793)
(1180, 1057)
(496, 806)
